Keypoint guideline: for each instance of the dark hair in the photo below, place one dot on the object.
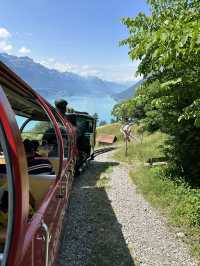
(61, 103)
(28, 146)
(4, 202)
(35, 143)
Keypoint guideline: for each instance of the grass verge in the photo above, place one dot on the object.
(178, 202)
(137, 152)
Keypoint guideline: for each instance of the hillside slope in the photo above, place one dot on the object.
(128, 93)
(52, 83)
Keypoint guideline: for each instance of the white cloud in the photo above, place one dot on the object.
(4, 33)
(24, 50)
(5, 47)
(118, 73)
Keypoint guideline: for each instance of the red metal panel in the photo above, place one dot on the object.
(28, 245)
(17, 154)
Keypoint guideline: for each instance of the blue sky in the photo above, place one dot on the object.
(71, 35)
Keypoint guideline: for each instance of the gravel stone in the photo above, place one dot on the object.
(116, 226)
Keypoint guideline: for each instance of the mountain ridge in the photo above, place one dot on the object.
(127, 93)
(52, 83)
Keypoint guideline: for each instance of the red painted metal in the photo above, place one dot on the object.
(27, 243)
(20, 178)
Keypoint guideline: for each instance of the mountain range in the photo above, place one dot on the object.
(128, 93)
(54, 84)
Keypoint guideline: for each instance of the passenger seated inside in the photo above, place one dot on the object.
(3, 203)
(36, 145)
(36, 165)
(3, 216)
(2, 169)
(49, 139)
(4, 199)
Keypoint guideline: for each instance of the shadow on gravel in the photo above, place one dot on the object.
(92, 234)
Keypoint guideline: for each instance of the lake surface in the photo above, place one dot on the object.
(101, 105)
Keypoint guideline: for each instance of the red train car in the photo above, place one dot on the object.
(33, 198)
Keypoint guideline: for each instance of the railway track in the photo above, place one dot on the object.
(102, 150)
(97, 152)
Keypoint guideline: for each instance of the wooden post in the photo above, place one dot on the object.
(126, 148)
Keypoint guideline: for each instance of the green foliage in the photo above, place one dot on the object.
(102, 123)
(96, 117)
(137, 152)
(178, 201)
(167, 43)
(36, 132)
(70, 110)
(133, 109)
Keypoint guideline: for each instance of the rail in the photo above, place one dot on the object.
(102, 150)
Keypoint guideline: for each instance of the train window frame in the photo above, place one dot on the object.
(44, 113)
(11, 195)
(50, 126)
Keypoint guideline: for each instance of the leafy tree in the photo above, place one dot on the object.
(96, 117)
(102, 123)
(112, 121)
(71, 110)
(167, 43)
(132, 109)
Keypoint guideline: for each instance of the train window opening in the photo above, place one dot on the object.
(41, 147)
(6, 198)
(43, 138)
(40, 143)
(20, 120)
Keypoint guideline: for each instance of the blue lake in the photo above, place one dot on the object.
(101, 105)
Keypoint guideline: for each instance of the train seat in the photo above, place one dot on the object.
(55, 161)
(2, 241)
(39, 186)
(3, 179)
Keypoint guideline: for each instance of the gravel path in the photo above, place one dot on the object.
(114, 225)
